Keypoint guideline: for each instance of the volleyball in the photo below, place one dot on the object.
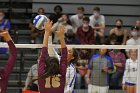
(39, 21)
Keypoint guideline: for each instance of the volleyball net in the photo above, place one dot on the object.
(87, 48)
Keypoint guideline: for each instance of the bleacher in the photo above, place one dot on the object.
(20, 11)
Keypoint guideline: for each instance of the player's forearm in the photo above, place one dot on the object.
(45, 41)
(7, 37)
(88, 73)
(62, 42)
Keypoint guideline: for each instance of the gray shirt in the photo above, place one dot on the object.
(98, 77)
(32, 74)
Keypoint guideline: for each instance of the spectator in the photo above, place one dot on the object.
(118, 59)
(70, 37)
(64, 20)
(76, 20)
(130, 73)
(85, 33)
(36, 35)
(81, 67)
(4, 23)
(58, 13)
(120, 32)
(97, 22)
(135, 39)
(138, 25)
(99, 68)
(112, 40)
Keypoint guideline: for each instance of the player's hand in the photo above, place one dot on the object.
(48, 26)
(124, 87)
(4, 33)
(60, 32)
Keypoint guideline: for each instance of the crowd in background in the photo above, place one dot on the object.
(90, 30)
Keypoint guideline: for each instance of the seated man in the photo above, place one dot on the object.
(76, 20)
(97, 22)
(85, 33)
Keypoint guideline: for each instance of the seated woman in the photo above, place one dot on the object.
(120, 32)
(64, 20)
(52, 74)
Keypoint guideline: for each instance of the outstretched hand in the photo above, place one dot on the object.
(60, 32)
(48, 26)
(5, 35)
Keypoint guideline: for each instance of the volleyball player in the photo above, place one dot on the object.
(52, 75)
(6, 71)
(71, 71)
(130, 73)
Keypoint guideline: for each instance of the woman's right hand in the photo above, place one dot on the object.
(88, 81)
(5, 35)
(48, 26)
(60, 32)
(124, 87)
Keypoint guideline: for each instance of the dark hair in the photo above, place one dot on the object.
(41, 9)
(86, 19)
(58, 6)
(2, 11)
(135, 27)
(81, 8)
(96, 9)
(68, 22)
(119, 21)
(52, 67)
(76, 57)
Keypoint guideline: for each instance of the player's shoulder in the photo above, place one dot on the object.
(95, 56)
(108, 57)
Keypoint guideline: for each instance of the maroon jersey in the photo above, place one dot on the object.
(4, 73)
(52, 84)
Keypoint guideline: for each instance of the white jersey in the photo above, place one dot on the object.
(70, 79)
(130, 73)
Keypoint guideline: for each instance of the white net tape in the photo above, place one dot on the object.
(87, 47)
(75, 46)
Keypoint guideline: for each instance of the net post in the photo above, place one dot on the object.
(138, 72)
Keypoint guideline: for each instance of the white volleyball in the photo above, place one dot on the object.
(39, 21)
